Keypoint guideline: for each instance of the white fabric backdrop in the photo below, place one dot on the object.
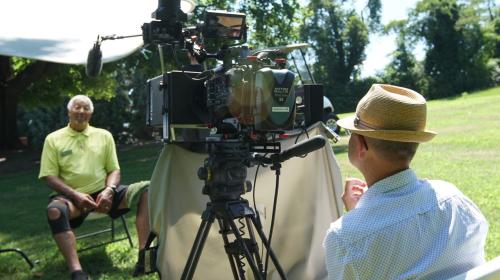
(309, 200)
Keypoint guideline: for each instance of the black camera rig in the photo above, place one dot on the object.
(234, 110)
(250, 93)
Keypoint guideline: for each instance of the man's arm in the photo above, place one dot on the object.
(113, 178)
(82, 201)
(105, 198)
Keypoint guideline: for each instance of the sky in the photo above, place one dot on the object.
(380, 47)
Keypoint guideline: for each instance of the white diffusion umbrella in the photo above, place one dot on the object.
(63, 31)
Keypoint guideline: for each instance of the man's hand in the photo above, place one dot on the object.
(353, 190)
(84, 202)
(104, 200)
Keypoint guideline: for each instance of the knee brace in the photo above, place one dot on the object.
(60, 224)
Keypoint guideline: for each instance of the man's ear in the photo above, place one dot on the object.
(362, 146)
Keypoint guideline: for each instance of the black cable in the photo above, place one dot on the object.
(275, 202)
(254, 186)
(254, 203)
(298, 136)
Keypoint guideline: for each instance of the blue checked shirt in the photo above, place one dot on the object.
(406, 228)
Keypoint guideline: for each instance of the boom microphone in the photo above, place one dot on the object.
(302, 148)
(94, 60)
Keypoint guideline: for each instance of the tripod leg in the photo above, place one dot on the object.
(246, 251)
(254, 244)
(207, 220)
(224, 229)
(268, 248)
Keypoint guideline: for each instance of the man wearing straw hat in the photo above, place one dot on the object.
(397, 225)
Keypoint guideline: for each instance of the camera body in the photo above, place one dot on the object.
(248, 97)
(253, 96)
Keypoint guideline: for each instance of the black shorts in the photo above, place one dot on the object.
(114, 212)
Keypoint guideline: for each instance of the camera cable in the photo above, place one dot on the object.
(304, 129)
(273, 215)
(254, 203)
(298, 136)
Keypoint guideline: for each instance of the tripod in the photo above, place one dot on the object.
(226, 212)
(224, 173)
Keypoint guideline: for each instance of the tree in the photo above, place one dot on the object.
(133, 73)
(339, 37)
(491, 32)
(14, 79)
(455, 60)
(403, 70)
(274, 21)
(38, 83)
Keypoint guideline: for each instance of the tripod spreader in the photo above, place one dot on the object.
(226, 212)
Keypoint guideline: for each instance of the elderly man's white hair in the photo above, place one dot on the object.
(83, 98)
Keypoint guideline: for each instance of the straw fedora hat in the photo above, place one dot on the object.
(390, 113)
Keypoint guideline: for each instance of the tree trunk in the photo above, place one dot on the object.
(8, 107)
(11, 88)
(8, 124)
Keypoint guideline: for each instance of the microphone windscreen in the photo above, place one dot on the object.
(303, 148)
(94, 61)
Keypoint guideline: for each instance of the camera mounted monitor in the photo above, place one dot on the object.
(222, 24)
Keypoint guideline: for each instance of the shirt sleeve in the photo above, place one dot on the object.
(111, 159)
(336, 257)
(49, 165)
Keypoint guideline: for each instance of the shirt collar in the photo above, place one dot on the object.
(395, 181)
(74, 133)
(398, 180)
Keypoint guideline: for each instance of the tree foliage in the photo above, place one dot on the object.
(455, 58)
(37, 84)
(374, 8)
(403, 70)
(339, 37)
(273, 21)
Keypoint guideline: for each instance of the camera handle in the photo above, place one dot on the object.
(226, 212)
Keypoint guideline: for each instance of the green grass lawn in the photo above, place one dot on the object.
(466, 152)
(23, 199)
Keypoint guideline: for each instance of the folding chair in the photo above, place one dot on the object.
(19, 251)
(112, 229)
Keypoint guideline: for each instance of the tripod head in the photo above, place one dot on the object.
(225, 170)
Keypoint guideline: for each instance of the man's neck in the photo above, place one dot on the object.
(375, 172)
(78, 127)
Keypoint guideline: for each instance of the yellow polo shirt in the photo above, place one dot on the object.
(81, 159)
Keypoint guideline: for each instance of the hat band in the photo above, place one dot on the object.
(358, 123)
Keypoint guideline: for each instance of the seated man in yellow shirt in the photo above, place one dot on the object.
(80, 164)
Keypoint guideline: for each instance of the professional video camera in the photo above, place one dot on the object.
(236, 110)
(249, 94)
